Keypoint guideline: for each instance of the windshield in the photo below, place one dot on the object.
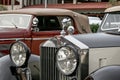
(111, 22)
(14, 20)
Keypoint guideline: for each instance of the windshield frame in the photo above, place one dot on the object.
(104, 21)
(15, 25)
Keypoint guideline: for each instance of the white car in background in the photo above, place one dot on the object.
(94, 20)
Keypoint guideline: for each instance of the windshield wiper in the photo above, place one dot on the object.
(14, 25)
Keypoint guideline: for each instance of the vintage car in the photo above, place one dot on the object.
(93, 56)
(35, 25)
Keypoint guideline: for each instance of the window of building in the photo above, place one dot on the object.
(71, 1)
(92, 0)
(8, 2)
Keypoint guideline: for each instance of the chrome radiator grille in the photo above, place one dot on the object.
(49, 70)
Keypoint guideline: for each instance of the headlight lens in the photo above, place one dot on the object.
(66, 60)
(19, 52)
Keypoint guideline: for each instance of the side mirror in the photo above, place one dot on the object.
(35, 22)
(19, 54)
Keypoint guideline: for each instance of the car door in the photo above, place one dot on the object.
(47, 27)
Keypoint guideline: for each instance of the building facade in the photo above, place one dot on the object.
(34, 2)
(89, 7)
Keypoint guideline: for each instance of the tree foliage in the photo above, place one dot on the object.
(94, 27)
(114, 2)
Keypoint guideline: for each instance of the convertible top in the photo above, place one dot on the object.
(82, 20)
(40, 11)
(113, 9)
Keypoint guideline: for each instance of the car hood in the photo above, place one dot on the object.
(99, 40)
(12, 33)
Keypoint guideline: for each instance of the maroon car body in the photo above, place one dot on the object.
(23, 27)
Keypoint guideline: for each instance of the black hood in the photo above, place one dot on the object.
(99, 40)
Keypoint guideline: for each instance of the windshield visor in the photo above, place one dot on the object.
(14, 20)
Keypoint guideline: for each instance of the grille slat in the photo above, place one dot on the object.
(49, 70)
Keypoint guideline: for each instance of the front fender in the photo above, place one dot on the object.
(105, 73)
(6, 63)
(5, 73)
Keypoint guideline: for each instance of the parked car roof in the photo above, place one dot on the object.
(83, 19)
(40, 11)
(113, 9)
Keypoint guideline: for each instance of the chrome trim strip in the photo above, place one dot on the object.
(41, 38)
(11, 39)
(25, 39)
(76, 42)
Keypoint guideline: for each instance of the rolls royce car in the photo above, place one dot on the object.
(92, 56)
(36, 25)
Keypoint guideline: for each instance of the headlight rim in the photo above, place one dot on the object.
(27, 50)
(76, 56)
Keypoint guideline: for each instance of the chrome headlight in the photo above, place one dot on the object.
(66, 60)
(19, 53)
